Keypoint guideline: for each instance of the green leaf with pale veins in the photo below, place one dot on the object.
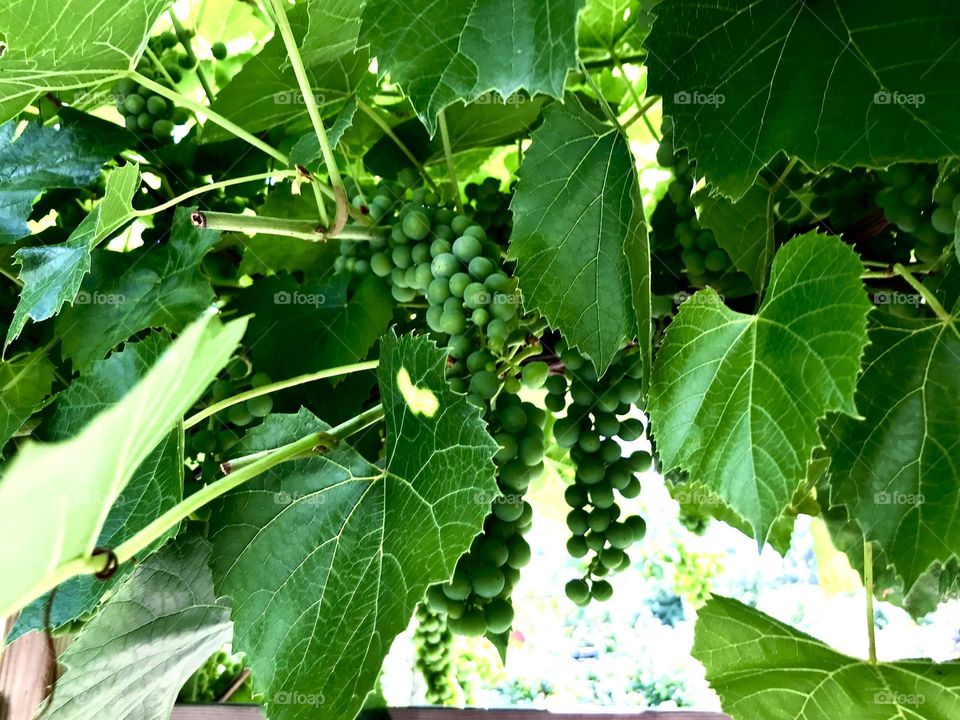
(877, 87)
(265, 93)
(52, 274)
(897, 470)
(156, 486)
(332, 30)
(326, 558)
(735, 399)
(576, 215)
(43, 157)
(441, 52)
(54, 45)
(306, 151)
(615, 25)
(125, 292)
(743, 229)
(25, 382)
(762, 668)
(131, 660)
(63, 491)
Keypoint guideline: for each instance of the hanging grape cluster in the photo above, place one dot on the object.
(473, 310)
(432, 643)
(590, 428)
(491, 208)
(212, 679)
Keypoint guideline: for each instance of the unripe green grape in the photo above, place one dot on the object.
(459, 282)
(578, 591)
(460, 346)
(460, 223)
(480, 317)
(239, 415)
(130, 122)
(445, 265)
(716, 260)
(590, 471)
(422, 276)
(534, 374)
(515, 476)
(618, 476)
(381, 264)
(519, 553)
(219, 51)
(145, 121)
(638, 525)
(162, 129)
(487, 581)
(631, 429)
(433, 316)
(493, 549)
(438, 291)
(640, 461)
(475, 295)
(692, 261)
(609, 451)
(590, 441)
(260, 406)
(134, 104)
(598, 520)
(260, 379)
(620, 535)
(458, 588)
(471, 624)
(601, 496)
(632, 488)
(481, 268)
(601, 590)
(416, 225)
(706, 241)
(497, 329)
(403, 294)
(578, 521)
(944, 220)
(126, 86)
(566, 432)
(531, 449)
(503, 307)
(453, 322)
(187, 62)
(157, 106)
(595, 541)
(498, 615)
(577, 546)
(497, 282)
(467, 247)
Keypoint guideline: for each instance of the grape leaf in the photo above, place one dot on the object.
(332, 30)
(56, 496)
(52, 274)
(42, 158)
(155, 487)
(883, 90)
(735, 399)
(265, 93)
(743, 228)
(125, 292)
(441, 52)
(896, 470)
(53, 46)
(131, 660)
(489, 122)
(326, 558)
(302, 328)
(576, 213)
(760, 666)
(25, 382)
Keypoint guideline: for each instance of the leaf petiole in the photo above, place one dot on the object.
(286, 227)
(276, 387)
(448, 154)
(214, 186)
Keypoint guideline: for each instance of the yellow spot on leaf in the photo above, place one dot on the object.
(421, 401)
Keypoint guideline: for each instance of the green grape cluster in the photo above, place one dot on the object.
(212, 679)
(477, 599)
(703, 260)
(589, 430)
(491, 208)
(145, 112)
(432, 642)
(911, 204)
(212, 439)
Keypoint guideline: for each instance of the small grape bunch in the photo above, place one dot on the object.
(491, 208)
(593, 422)
(434, 657)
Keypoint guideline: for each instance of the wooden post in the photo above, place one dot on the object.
(26, 671)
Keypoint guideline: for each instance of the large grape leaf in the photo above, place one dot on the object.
(53, 45)
(155, 487)
(55, 497)
(897, 470)
(444, 51)
(125, 292)
(131, 660)
(884, 91)
(332, 30)
(25, 381)
(735, 399)
(52, 274)
(43, 157)
(265, 93)
(576, 215)
(326, 558)
(762, 668)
